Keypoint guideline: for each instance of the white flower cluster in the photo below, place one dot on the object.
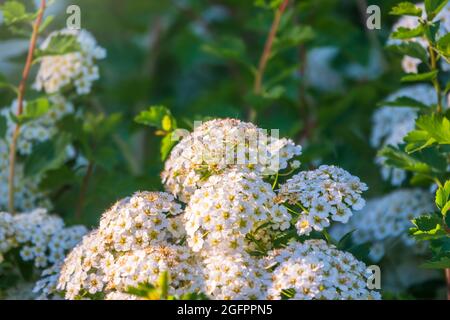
(133, 244)
(223, 144)
(40, 237)
(218, 244)
(392, 124)
(316, 270)
(40, 129)
(236, 275)
(77, 69)
(326, 193)
(139, 221)
(385, 221)
(229, 210)
(411, 64)
(147, 265)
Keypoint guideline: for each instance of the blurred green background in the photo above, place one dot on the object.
(196, 57)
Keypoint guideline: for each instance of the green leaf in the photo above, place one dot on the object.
(438, 263)
(428, 76)
(433, 7)
(15, 12)
(406, 8)
(293, 37)
(427, 228)
(346, 241)
(403, 33)
(399, 159)
(167, 144)
(431, 30)
(157, 116)
(405, 102)
(443, 198)
(418, 140)
(443, 45)
(361, 251)
(48, 155)
(59, 45)
(410, 48)
(33, 110)
(437, 126)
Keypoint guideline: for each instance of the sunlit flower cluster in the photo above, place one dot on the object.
(77, 68)
(146, 266)
(234, 276)
(138, 221)
(392, 124)
(223, 144)
(218, 244)
(385, 221)
(41, 238)
(327, 193)
(132, 245)
(411, 64)
(316, 270)
(229, 209)
(40, 129)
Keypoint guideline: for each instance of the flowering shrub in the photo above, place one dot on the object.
(231, 223)
(245, 212)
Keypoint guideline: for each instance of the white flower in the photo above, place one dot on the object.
(228, 210)
(385, 220)
(323, 194)
(223, 144)
(76, 69)
(37, 235)
(410, 64)
(234, 276)
(316, 270)
(138, 221)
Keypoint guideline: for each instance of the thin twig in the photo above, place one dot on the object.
(83, 190)
(265, 57)
(20, 98)
(447, 273)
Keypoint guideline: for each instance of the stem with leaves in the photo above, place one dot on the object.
(265, 57)
(20, 102)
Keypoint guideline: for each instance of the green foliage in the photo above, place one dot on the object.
(160, 290)
(433, 7)
(32, 110)
(407, 9)
(427, 76)
(412, 49)
(403, 33)
(161, 118)
(431, 129)
(14, 12)
(443, 198)
(59, 45)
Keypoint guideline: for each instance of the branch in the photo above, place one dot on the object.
(20, 98)
(265, 57)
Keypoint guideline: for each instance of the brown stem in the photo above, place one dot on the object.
(447, 274)
(265, 57)
(83, 191)
(20, 98)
